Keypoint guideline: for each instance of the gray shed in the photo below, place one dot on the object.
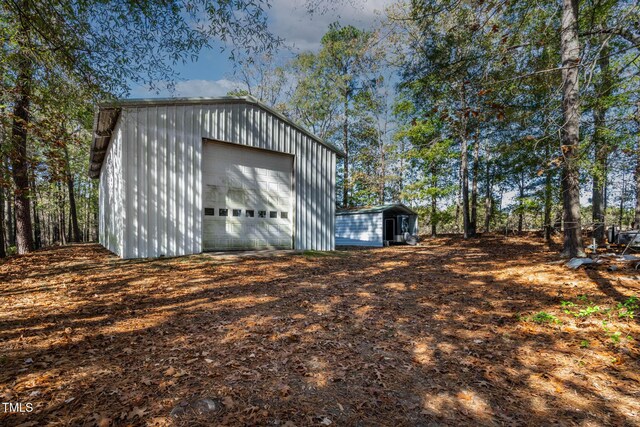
(375, 225)
(182, 176)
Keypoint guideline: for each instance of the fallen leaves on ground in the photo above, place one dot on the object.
(489, 331)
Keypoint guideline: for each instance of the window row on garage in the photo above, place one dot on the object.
(248, 213)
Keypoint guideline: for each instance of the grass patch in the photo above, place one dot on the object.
(321, 254)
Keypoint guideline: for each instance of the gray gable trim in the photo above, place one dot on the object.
(108, 113)
(376, 209)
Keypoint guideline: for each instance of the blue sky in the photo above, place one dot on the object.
(212, 74)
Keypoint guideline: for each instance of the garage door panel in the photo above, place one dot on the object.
(239, 178)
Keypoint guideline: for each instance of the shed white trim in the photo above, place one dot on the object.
(359, 229)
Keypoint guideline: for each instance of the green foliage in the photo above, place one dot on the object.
(340, 96)
(588, 311)
(105, 46)
(627, 308)
(58, 58)
(489, 73)
(544, 317)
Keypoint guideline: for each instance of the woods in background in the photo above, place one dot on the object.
(482, 115)
(503, 113)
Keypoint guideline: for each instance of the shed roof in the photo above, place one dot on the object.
(376, 209)
(109, 112)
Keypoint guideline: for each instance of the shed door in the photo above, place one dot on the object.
(247, 198)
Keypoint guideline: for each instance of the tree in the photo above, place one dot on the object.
(263, 78)
(637, 170)
(444, 68)
(431, 155)
(330, 83)
(103, 47)
(490, 70)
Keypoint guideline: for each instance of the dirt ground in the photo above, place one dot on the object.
(493, 331)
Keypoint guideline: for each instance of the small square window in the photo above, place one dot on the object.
(237, 212)
(273, 214)
(249, 213)
(209, 211)
(262, 214)
(284, 215)
(223, 212)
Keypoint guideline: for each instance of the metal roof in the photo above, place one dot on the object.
(375, 209)
(109, 112)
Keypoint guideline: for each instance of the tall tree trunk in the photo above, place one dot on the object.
(557, 222)
(548, 202)
(36, 217)
(345, 140)
(465, 189)
(434, 201)
(383, 160)
(521, 202)
(73, 213)
(458, 203)
(622, 194)
(637, 174)
(488, 200)
(464, 164)
(3, 251)
(87, 233)
(400, 180)
(383, 176)
(62, 222)
(95, 221)
(459, 200)
(601, 147)
(570, 131)
(9, 218)
(18, 156)
(473, 226)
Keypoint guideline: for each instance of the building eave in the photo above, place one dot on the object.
(108, 112)
(375, 209)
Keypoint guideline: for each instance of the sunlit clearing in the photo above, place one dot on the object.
(362, 311)
(317, 374)
(475, 404)
(396, 286)
(422, 353)
(321, 308)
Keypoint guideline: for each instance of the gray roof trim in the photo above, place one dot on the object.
(375, 209)
(104, 123)
(102, 136)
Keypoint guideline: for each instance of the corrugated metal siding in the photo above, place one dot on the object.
(162, 155)
(359, 229)
(111, 198)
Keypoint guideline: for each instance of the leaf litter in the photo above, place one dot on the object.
(489, 331)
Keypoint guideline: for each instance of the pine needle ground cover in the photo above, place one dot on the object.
(492, 331)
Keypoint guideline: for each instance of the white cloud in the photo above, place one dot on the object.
(193, 88)
(190, 89)
(291, 20)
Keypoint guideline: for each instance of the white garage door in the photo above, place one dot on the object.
(247, 198)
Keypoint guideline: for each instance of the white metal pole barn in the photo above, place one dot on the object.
(179, 176)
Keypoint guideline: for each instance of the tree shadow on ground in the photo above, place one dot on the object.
(394, 336)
